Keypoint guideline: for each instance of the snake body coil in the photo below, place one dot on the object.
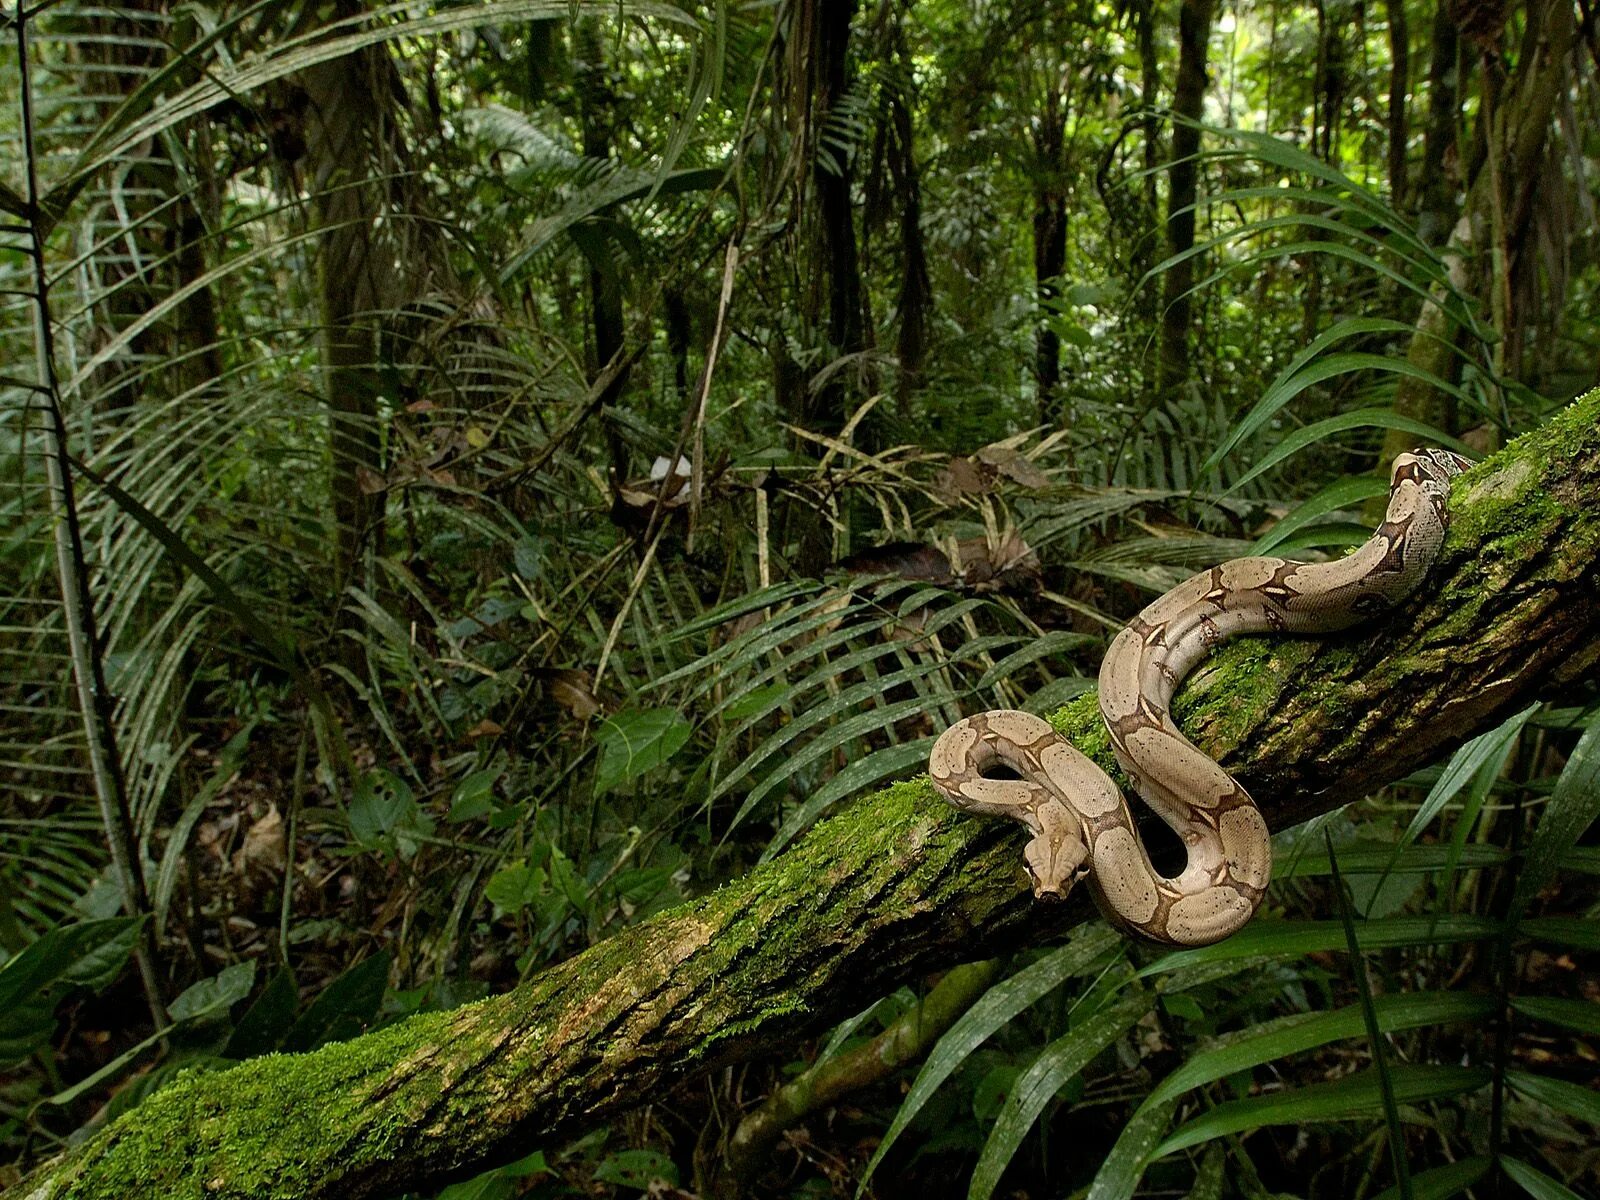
(1079, 820)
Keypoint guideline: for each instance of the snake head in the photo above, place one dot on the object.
(1056, 860)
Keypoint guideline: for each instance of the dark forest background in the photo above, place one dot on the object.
(477, 475)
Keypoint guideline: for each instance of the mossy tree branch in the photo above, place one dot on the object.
(895, 886)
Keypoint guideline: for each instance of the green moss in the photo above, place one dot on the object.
(1509, 497)
(230, 1133)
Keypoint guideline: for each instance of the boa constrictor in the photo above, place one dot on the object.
(1079, 820)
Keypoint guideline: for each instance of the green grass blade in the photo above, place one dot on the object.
(1573, 1099)
(1299, 1032)
(999, 1004)
(1049, 1073)
(1440, 1183)
(1572, 808)
(1360, 418)
(1582, 1015)
(1292, 938)
(1336, 497)
(1357, 1095)
(1536, 1183)
(1369, 1016)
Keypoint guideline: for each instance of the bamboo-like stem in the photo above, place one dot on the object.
(94, 699)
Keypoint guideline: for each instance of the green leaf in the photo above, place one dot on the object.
(1056, 1065)
(215, 996)
(1572, 808)
(1056, 642)
(634, 741)
(1336, 497)
(1463, 765)
(1573, 1099)
(1123, 1167)
(999, 1005)
(344, 1008)
(1536, 1183)
(1441, 1183)
(512, 888)
(1380, 858)
(384, 814)
(754, 701)
(636, 1169)
(1580, 933)
(380, 803)
(1280, 939)
(89, 954)
(473, 797)
(1357, 1095)
(1299, 1032)
(1582, 1015)
(1282, 389)
(268, 1020)
(1361, 418)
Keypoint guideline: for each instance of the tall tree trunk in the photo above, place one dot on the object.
(915, 297)
(1436, 193)
(1504, 186)
(832, 177)
(1188, 98)
(1399, 87)
(1049, 243)
(345, 102)
(896, 885)
(1147, 249)
(595, 104)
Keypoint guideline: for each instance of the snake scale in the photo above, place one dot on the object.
(1079, 820)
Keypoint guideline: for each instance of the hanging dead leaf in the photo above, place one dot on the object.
(1011, 565)
(263, 849)
(961, 477)
(571, 690)
(1014, 465)
(907, 560)
(369, 481)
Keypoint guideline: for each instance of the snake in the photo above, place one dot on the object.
(1079, 821)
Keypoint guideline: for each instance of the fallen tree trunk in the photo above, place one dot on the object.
(894, 886)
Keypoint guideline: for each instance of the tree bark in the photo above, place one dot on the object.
(1516, 144)
(1188, 97)
(1436, 191)
(832, 178)
(896, 885)
(1049, 242)
(1399, 86)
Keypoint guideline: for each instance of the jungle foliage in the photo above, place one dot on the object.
(478, 475)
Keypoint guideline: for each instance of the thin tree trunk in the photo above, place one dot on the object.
(896, 885)
(1188, 97)
(831, 178)
(595, 103)
(1437, 191)
(1399, 86)
(1049, 243)
(915, 297)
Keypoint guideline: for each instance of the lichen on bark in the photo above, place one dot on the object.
(895, 885)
